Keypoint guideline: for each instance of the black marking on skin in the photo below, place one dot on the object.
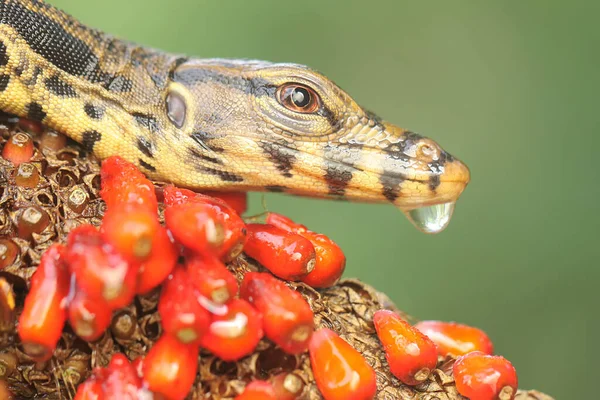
(203, 138)
(196, 154)
(66, 52)
(35, 112)
(337, 178)
(145, 146)
(3, 55)
(411, 137)
(391, 185)
(37, 71)
(437, 167)
(224, 175)
(4, 79)
(281, 156)
(275, 188)
(176, 64)
(434, 182)
(93, 111)
(147, 166)
(89, 139)
(118, 84)
(147, 121)
(326, 113)
(60, 87)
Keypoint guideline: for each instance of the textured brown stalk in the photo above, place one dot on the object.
(67, 193)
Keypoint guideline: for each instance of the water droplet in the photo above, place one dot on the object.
(431, 219)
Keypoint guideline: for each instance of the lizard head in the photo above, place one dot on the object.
(287, 128)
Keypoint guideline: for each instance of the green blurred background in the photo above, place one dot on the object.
(510, 87)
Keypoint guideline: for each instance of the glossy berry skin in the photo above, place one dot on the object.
(236, 200)
(130, 232)
(197, 226)
(181, 314)
(410, 354)
(258, 390)
(159, 263)
(89, 317)
(456, 339)
(100, 270)
(341, 372)
(330, 259)
(123, 185)
(170, 367)
(235, 334)
(286, 254)
(122, 381)
(212, 279)
(479, 376)
(92, 388)
(234, 228)
(287, 317)
(44, 313)
(18, 149)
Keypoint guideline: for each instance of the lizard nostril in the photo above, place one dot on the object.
(428, 150)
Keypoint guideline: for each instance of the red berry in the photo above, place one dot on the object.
(410, 354)
(479, 376)
(159, 264)
(234, 228)
(92, 388)
(170, 367)
(18, 148)
(122, 380)
(341, 372)
(89, 317)
(212, 279)
(123, 185)
(130, 231)
(235, 334)
(174, 196)
(44, 313)
(197, 226)
(100, 270)
(285, 223)
(286, 254)
(181, 314)
(287, 386)
(287, 317)
(331, 261)
(258, 390)
(456, 339)
(138, 365)
(236, 200)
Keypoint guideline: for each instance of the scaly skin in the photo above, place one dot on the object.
(219, 124)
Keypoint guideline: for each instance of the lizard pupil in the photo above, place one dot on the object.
(300, 97)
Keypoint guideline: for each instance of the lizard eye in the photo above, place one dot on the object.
(298, 98)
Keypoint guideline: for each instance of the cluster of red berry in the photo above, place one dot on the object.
(201, 305)
(412, 353)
